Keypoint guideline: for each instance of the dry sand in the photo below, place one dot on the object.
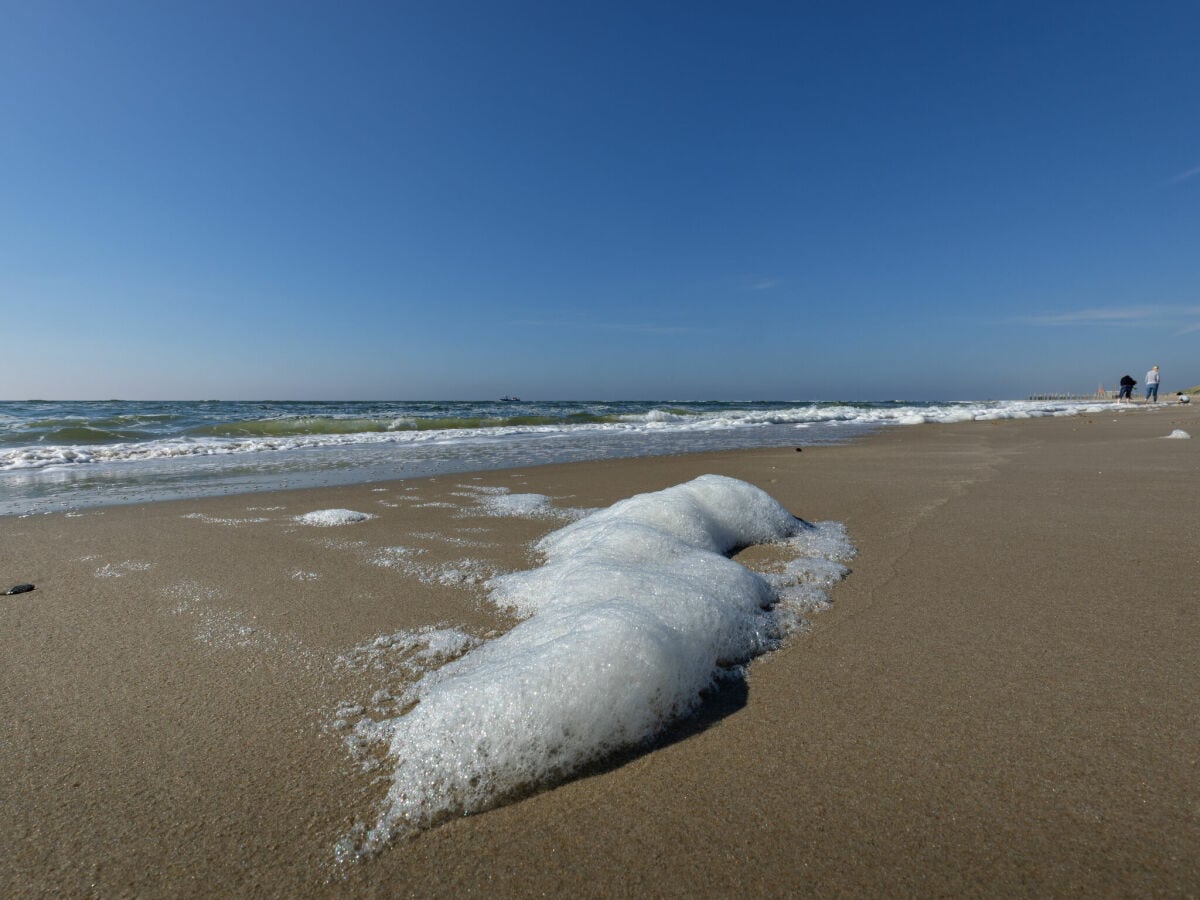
(1003, 700)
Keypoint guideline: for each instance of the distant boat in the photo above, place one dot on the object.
(509, 399)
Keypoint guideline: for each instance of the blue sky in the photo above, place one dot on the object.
(320, 200)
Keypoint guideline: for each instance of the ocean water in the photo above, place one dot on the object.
(57, 455)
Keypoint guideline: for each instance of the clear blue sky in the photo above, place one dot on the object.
(776, 200)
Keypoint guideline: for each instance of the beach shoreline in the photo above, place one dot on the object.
(1001, 699)
(61, 456)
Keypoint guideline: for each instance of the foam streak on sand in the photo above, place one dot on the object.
(636, 611)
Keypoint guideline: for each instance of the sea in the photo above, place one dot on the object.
(62, 455)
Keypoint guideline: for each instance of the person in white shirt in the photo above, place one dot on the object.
(1152, 385)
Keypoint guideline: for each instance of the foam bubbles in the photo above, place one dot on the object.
(118, 570)
(529, 505)
(636, 611)
(330, 517)
(499, 501)
(232, 522)
(412, 648)
(1179, 434)
(458, 573)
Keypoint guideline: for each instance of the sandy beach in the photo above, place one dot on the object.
(1002, 699)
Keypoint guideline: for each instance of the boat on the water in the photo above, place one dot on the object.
(509, 399)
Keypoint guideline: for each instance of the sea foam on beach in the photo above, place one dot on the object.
(636, 611)
(330, 517)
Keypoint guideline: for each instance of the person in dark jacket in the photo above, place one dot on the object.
(1126, 392)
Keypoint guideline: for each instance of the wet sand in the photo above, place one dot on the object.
(1004, 698)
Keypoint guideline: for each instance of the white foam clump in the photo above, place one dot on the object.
(1179, 433)
(329, 517)
(636, 611)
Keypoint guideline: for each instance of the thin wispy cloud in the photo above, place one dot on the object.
(652, 329)
(1184, 176)
(630, 327)
(1129, 316)
(1088, 316)
(762, 284)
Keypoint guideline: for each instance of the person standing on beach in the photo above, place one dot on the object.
(1152, 385)
(1126, 392)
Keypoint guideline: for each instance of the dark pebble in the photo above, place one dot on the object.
(19, 589)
